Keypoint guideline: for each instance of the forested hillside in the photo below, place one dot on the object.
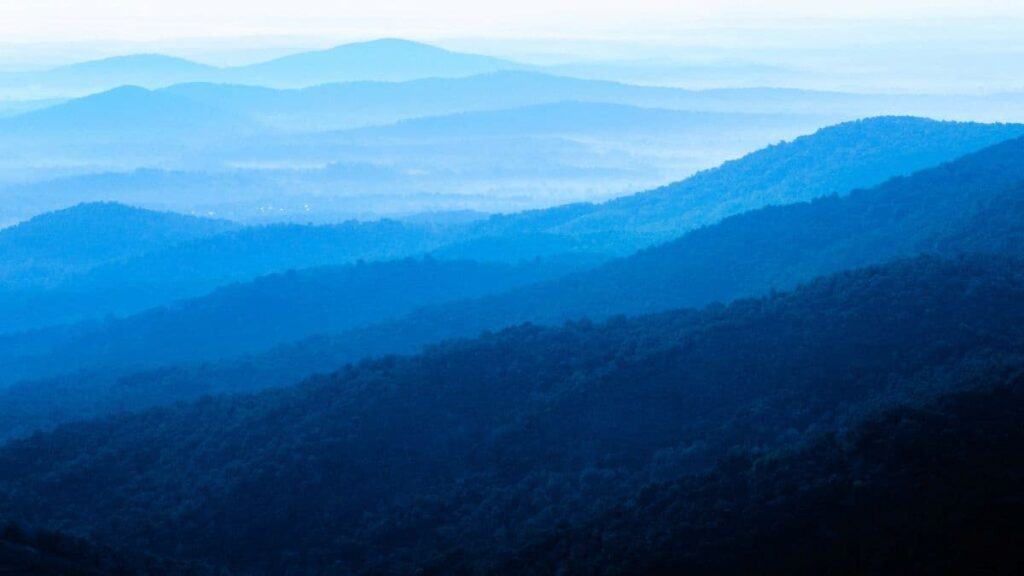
(147, 274)
(26, 552)
(970, 205)
(933, 489)
(395, 463)
(280, 308)
(156, 275)
(832, 161)
(47, 249)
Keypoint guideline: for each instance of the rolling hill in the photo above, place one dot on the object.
(341, 105)
(966, 205)
(122, 112)
(972, 205)
(146, 70)
(427, 160)
(160, 274)
(392, 60)
(385, 59)
(399, 463)
(48, 248)
(280, 308)
(831, 161)
(290, 143)
(834, 160)
(353, 104)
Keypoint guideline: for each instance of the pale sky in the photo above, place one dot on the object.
(143, 20)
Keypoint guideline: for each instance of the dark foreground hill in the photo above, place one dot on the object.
(491, 444)
(918, 490)
(25, 552)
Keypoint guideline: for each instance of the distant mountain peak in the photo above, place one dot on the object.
(381, 48)
(95, 208)
(100, 215)
(133, 60)
(384, 43)
(390, 59)
(382, 59)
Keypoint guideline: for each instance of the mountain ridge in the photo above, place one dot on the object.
(383, 59)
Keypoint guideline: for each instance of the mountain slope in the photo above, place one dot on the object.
(163, 274)
(268, 311)
(389, 465)
(279, 308)
(831, 161)
(25, 552)
(931, 489)
(93, 76)
(46, 248)
(970, 205)
(127, 111)
(834, 160)
(146, 70)
(430, 156)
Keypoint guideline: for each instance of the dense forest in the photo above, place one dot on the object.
(37, 253)
(94, 286)
(280, 308)
(27, 552)
(489, 445)
(933, 489)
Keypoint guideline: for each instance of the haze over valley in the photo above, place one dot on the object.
(390, 128)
